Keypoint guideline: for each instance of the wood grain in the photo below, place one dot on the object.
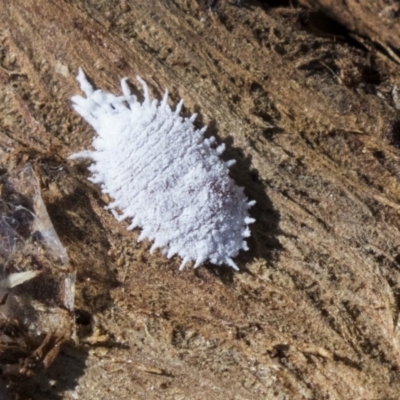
(312, 123)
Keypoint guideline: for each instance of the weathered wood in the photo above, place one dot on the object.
(376, 20)
(311, 121)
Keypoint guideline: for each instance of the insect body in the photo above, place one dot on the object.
(164, 175)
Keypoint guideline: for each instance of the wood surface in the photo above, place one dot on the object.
(376, 21)
(309, 116)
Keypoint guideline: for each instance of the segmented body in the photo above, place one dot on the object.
(164, 175)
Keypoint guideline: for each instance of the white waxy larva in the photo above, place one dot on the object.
(163, 174)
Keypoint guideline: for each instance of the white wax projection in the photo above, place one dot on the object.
(164, 175)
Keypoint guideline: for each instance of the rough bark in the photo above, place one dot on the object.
(375, 20)
(310, 119)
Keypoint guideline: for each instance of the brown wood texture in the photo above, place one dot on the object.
(313, 314)
(375, 20)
